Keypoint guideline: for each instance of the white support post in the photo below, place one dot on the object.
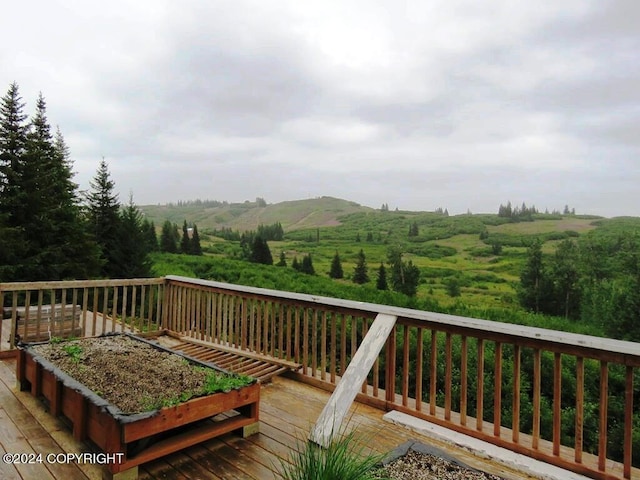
(336, 409)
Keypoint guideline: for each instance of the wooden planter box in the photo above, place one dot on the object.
(141, 437)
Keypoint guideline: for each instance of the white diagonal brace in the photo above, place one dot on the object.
(330, 420)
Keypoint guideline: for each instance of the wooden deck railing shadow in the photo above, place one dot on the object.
(566, 399)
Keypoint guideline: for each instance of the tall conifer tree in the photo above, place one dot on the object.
(104, 218)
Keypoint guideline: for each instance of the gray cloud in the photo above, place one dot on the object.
(418, 105)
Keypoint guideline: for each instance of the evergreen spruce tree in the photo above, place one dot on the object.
(57, 246)
(150, 236)
(282, 262)
(260, 252)
(185, 243)
(13, 131)
(336, 267)
(405, 276)
(196, 248)
(295, 264)
(133, 260)
(168, 242)
(307, 265)
(360, 275)
(104, 218)
(381, 281)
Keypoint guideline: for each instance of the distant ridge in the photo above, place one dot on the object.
(292, 215)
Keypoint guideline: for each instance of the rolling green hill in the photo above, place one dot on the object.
(292, 215)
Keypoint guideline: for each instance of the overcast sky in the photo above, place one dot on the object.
(457, 104)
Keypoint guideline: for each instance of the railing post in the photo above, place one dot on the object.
(390, 369)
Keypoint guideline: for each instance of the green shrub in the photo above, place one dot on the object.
(343, 459)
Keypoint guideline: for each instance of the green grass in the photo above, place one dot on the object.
(345, 458)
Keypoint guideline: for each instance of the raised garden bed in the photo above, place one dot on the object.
(144, 401)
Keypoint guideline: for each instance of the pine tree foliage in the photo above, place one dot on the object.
(150, 236)
(104, 218)
(196, 248)
(185, 243)
(306, 265)
(360, 274)
(405, 276)
(260, 252)
(381, 280)
(133, 256)
(168, 243)
(282, 261)
(45, 208)
(336, 267)
(13, 131)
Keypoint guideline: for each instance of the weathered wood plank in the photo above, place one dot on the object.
(330, 420)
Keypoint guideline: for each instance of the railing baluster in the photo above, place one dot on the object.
(628, 422)
(579, 423)
(143, 298)
(535, 439)
(332, 352)
(114, 310)
(134, 298)
(604, 408)
(323, 347)
(365, 330)
(314, 344)
(305, 341)
(296, 343)
(390, 365)
(463, 380)
(94, 311)
(405, 366)
(274, 322)
(281, 331)
(419, 359)
(515, 403)
(433, 372)
(480, 386)
(497, 390)
(447, 377)
(125, 299)
(557, 401)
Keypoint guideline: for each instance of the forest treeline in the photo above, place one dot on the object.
(49, 230)
(594, 279)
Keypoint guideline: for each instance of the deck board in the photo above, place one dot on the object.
(288, 410)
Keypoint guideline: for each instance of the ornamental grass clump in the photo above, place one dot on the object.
(343, 459)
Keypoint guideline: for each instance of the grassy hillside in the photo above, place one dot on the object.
(293, 215)
(479, 257)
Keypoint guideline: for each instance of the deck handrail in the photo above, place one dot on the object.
(571, 400)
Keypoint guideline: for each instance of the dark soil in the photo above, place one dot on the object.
(129, 374)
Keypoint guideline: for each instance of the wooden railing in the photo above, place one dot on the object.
(566, 399)
(37, 311)
(562, 398)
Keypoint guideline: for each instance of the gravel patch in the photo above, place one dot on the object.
(423, 466)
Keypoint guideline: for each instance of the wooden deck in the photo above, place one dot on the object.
(288, 409)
